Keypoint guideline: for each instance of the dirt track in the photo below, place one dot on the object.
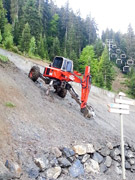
(39, 122)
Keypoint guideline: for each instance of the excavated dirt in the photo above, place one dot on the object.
(38, 122)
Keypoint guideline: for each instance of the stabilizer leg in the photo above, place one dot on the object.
(49, 87)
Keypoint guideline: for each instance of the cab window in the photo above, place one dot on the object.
(69, 66)
(57, 63)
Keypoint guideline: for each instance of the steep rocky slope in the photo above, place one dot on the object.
(39, 122)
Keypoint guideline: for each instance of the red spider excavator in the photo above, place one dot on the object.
(59, 74)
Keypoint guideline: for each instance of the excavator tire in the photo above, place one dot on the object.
(34, 73)
(62, 93)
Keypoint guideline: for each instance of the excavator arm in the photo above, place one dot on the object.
(86, 85)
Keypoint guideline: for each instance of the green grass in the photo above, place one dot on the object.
(10, 104)
(3, 58)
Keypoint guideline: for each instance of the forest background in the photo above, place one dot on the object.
(41, 30)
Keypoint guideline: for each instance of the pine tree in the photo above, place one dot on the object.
(45, 47)
(14, 11)
(107, 69)
(131, 85)
(54, 25)
(3, 19)
(130, 42)
(7, 36)
(55, 48)
(73, 57)
(98, 48)
(7, 6)
(32, 47)
(32, 16)
(41, 51)
(86, 57)
(25, 40)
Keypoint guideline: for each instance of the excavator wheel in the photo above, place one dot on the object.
(62, 93)
(34, 73)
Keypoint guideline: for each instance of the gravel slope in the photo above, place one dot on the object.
(38, 122)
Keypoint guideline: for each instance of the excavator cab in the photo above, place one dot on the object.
(63, 64)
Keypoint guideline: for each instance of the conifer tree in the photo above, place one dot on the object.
(107, 69)
(14, 11)
(7, 6)
(32, 47)
(41, 51)
(32, 16)
(131, 85)
(7, 36)
(2, 17)
(55, 48)
(25, 40)
(73, 57)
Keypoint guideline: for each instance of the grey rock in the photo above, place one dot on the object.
(76, 169)
(117, 168)
(83, 149)
(90, 148)
(79, 157)
(85, 158)
(33, 173)
(53, 173)
(127, 165)
(80, 149)
(133, 147)
(103, 168)
(40, 163)
(14, 168)
(91, 166)
(63, 162)
(108, 161)
(115, 154)
(4, 173)
(109, 145)
(117, 158)
(132, 161)
(129, 154)
(68, 152)
(133, 167)
(97, 157)
(71, 159)
(56, 152)
(65, 171)
(54, 162)
(105, 151)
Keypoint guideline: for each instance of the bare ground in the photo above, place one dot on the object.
(119, 82)
(38, 122)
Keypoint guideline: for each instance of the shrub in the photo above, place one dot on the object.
(3, 58)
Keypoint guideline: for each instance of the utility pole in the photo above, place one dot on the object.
(109, 42)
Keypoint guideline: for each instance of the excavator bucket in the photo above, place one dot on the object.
(86, 85)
